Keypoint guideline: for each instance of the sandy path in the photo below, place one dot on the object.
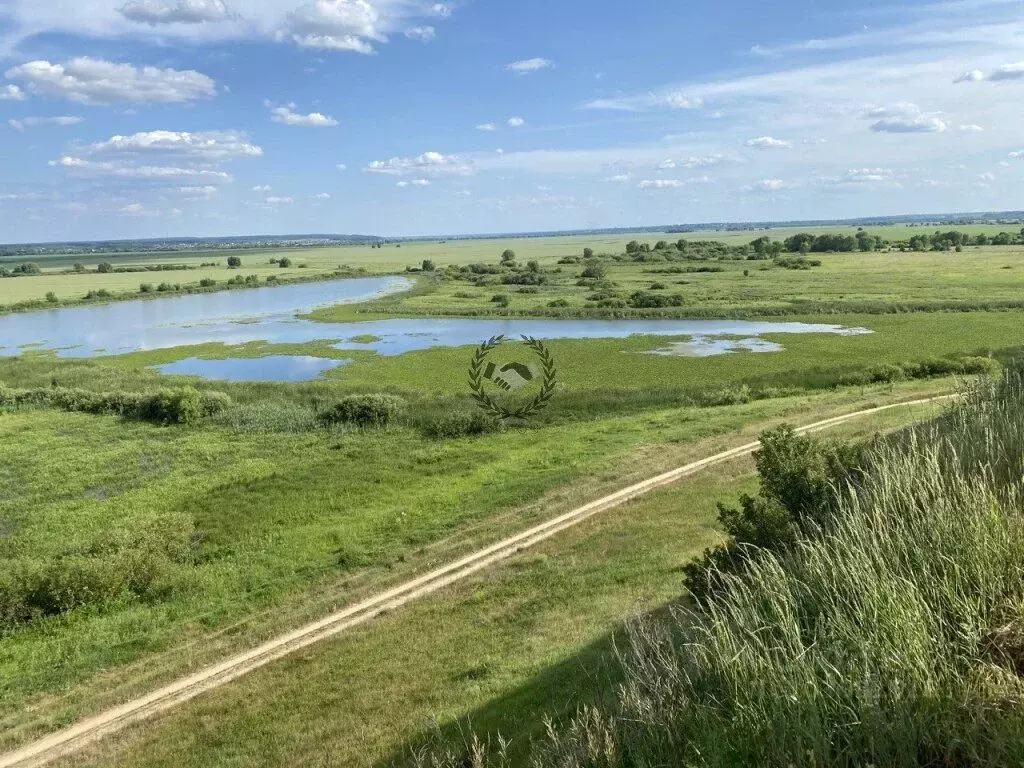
(92, 729)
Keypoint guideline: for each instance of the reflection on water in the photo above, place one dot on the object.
(269, 368)
(269, 314)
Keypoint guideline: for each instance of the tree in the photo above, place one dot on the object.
(508, 256)
(234, 261)
(632, 247)
(588, 253)
(428, 265)
(105, 268)
(533, 266)
(285, 262)
(661, 245)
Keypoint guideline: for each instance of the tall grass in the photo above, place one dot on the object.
(890, 637)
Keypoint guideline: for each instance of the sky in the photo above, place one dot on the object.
(154, 118)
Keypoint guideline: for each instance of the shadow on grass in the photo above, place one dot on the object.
(590, 676)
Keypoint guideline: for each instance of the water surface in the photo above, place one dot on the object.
(268, 368)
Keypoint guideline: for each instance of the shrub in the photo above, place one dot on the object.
(146, 288)
(501, 299)
(428, 265)
(105, 268)
(234, 262)
(508, 256)
(461, 424)
(207, 282)
(646, 300)
(284, 262)
(595, 271)
(51, 298)
(658, 286)
(364, 411)
(524, 278)
(558, 303)
(588, 253)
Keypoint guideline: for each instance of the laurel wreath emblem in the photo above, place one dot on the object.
(488, 403)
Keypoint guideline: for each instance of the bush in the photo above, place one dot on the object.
(461, 424)
(428, 265)
(284, 262)
(207, 282)
(105, 268)
(364, 411)
(501, 299)
(594, 270)
(146, 288)
(51, 298)
(558, 303)
(234, 262)
(646, 300)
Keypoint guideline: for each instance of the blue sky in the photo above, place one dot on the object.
(135, 118)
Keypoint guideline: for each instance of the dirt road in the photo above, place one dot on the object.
(92, 729)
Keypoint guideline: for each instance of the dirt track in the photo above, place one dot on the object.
(87, 731)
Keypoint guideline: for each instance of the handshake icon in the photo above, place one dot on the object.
(509, 377)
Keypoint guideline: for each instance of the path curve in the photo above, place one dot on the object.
(92, 729)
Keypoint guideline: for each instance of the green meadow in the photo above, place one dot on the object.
(136, 551)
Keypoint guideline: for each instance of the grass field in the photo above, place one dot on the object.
(533, 635)
(988, 273)
(134, 552)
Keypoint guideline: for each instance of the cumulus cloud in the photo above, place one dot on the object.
(11, 93)
(280, 200)
(1013, 71)
(203, 145)
(660, 184)
(198, 193)
(972, 76)
(323, 196)
(769, 142)
(341, 25)
(261, 188)
(918, 124)
(768, 185)
(423, 34)
(487, 127)
(156, 12)
(95, 81)
(516, 122)
(414, 183)
(705, 161)
(986, 178)
(529, 66)
(341, 167)
(971, 128)
(287, 115)
(429, 163)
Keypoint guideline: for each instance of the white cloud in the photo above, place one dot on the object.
(768, 185)
(971, 128)
(1013, 71)
(11, 93)
(414, 183)
(919, 124)
(203, 145)
(280, 200)
(81, 166)
(261, 188)
(516, 122)
(198, 193)
(769, 142)
(487, 127)
(95, 81)
(21, 124)
(665, 99)
(620, 178)
(973, 76)
(528, 66)
(660, 184)
(986, 177)
(341, 167)
(423, 34)
(429, 163)
(342, 25)
(287, 115)
(323, 196)
(155, 12)
(702, 162)
(859, 176)
(666, 165)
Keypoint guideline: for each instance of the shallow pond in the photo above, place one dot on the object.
(269, 314)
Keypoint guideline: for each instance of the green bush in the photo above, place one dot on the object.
(461, 424)
(365, 411)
